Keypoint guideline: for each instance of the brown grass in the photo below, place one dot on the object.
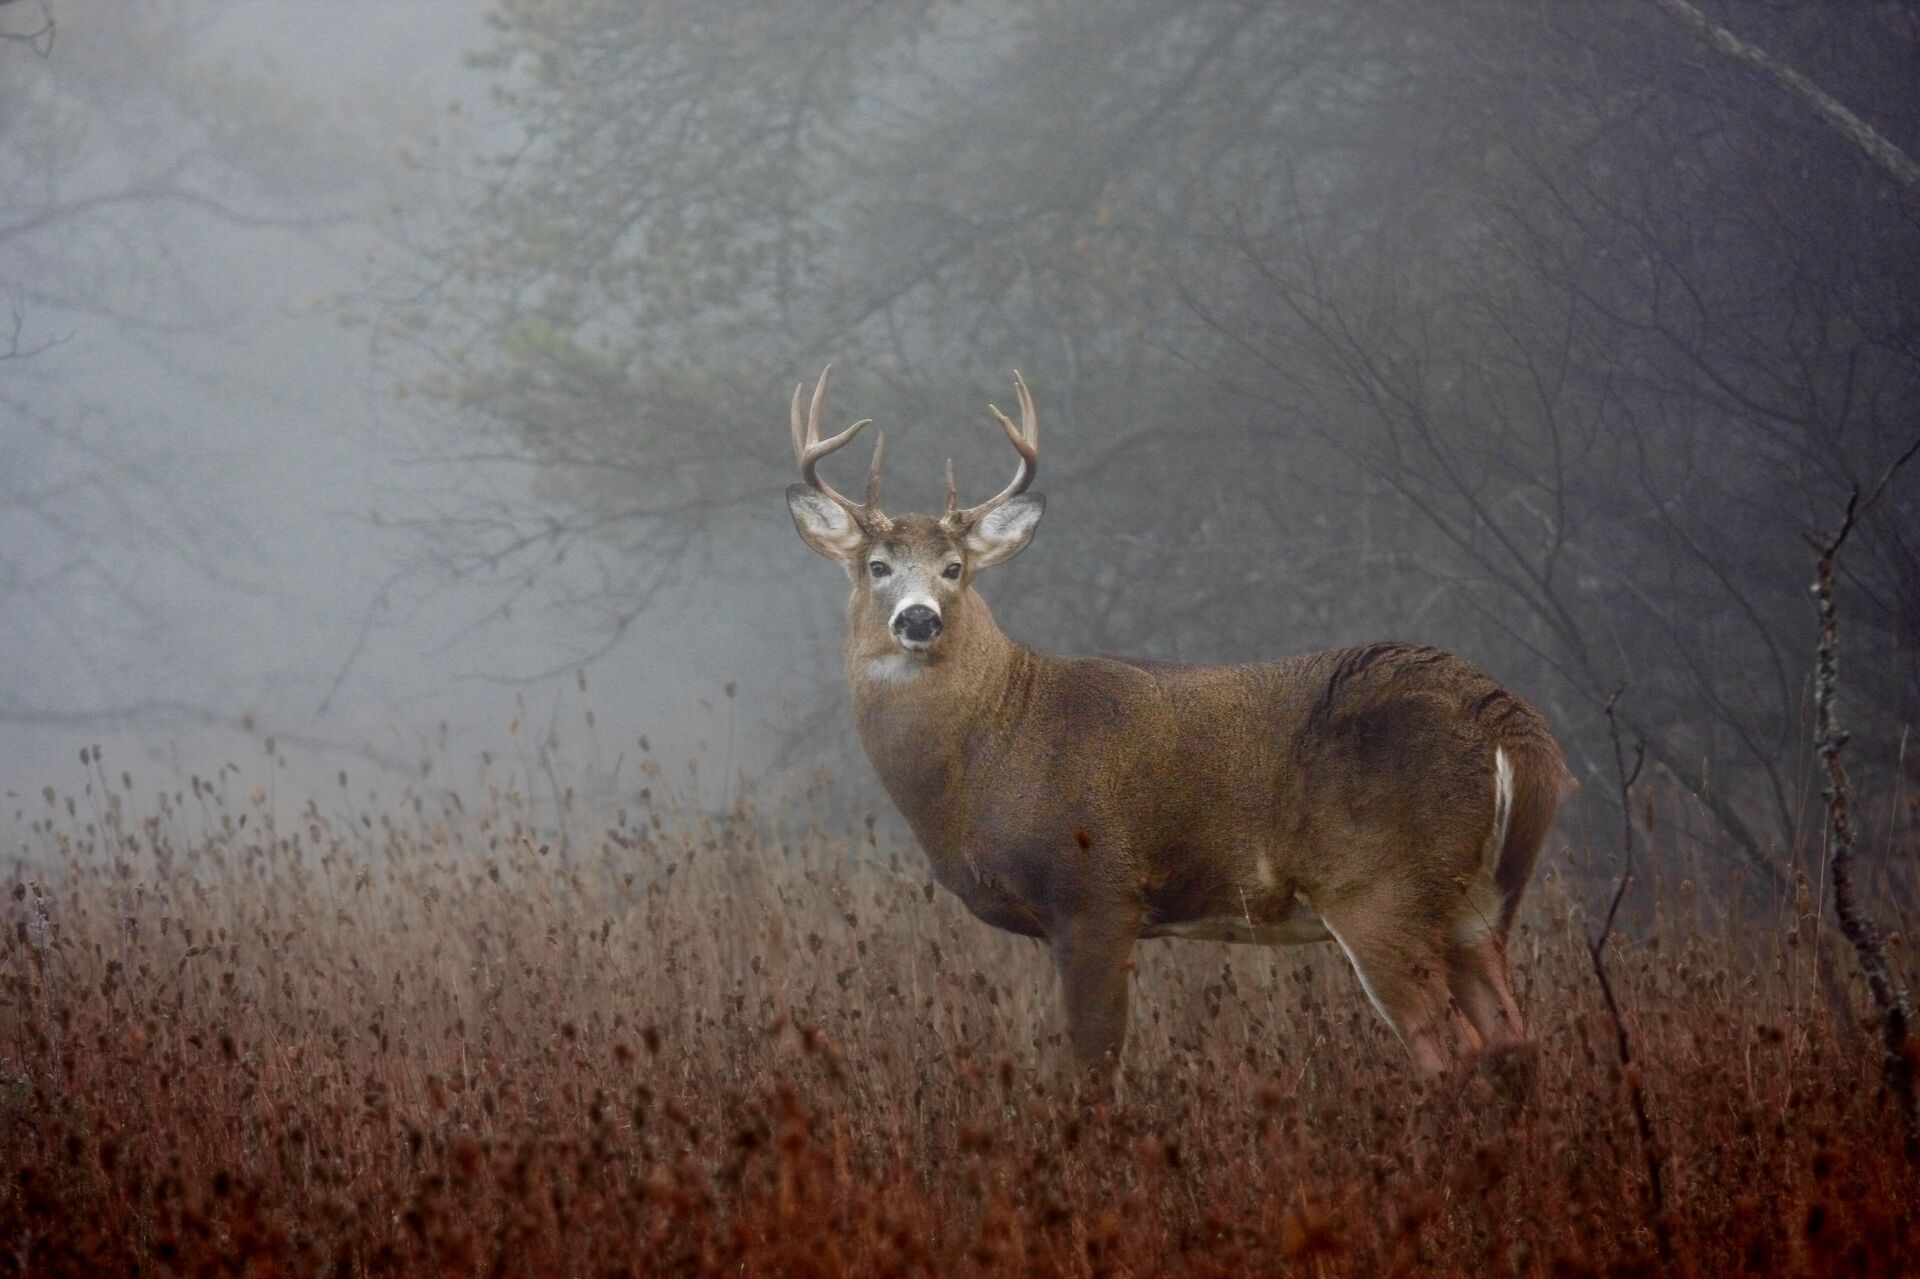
(425, 1036)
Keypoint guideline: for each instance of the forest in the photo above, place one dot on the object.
(470, 866)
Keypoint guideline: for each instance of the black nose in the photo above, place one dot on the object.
(917, 623)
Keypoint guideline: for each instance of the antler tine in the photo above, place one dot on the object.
(809, 448)
(799, 424)
(1025, 439)
(1029, 416)
(953, 492)
(873, 471)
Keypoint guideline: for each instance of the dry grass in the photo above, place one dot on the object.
(424, 1036)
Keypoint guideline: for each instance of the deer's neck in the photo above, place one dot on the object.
(923, 721)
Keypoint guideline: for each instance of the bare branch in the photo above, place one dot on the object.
(1888, 994)
(157, 192)
(1636, 1091)
(15, 349)
(40, 39)
(158, 714)
(1890, 159)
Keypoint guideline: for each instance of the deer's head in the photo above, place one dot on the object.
(911, 573)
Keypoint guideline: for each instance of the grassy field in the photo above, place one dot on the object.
(428, 1034)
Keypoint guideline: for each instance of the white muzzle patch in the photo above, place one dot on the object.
(916, 622)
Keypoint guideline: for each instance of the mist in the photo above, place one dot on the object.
(1393, 753)
(203, 461)
(389, 380)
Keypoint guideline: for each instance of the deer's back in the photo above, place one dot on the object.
(1341, 763)
(1212, 789)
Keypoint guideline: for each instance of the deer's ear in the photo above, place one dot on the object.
(1004, 532)
(822, 523)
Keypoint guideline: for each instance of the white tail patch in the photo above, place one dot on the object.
(1473, 923)
(1502, 800)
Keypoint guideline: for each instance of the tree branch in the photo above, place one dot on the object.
(40, 39)
(1888, 994)
(1636, 1091)
(1889, 158)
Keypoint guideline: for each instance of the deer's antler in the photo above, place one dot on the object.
(809, 448)
(1025, 439)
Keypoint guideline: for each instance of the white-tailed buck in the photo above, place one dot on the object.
(1390, 798)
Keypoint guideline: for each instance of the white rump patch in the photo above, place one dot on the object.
(1502, 800)
(1474, 924)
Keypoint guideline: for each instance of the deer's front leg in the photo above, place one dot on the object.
(1094, 955)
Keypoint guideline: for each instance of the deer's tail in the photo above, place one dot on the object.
(1529, 776)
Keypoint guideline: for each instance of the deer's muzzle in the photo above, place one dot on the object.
(916, 624)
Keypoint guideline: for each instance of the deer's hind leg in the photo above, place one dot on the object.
(1478, 976)
(1398, 949)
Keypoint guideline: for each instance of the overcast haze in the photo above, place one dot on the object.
(455, 825)
(379, 366)
(242, 441)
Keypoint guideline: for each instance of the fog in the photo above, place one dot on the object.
(203, 460)
(386, 380)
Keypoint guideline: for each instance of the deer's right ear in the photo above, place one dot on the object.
(822, 523)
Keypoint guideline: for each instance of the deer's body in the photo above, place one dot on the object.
(1390, 797)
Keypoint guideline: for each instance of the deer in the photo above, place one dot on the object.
(1390, 798)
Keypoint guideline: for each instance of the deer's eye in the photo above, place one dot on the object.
(878, 568)
(952, 573)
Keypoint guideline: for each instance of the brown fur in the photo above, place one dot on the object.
(1096, 801)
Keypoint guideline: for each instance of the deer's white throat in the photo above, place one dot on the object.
(893, 668)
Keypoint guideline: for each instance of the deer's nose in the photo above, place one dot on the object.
(917, 623)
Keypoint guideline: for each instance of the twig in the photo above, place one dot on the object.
(40, 40)
(16, 350)
(1889, 996)
(1636, 1091)
(38, 934)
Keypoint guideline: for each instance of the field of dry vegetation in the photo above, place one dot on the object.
(430, 1032)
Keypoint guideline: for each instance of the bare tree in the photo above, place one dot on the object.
(1518, 329)
(118, 148)
(1889, 994)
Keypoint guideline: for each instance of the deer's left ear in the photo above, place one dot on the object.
(1004, 532)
